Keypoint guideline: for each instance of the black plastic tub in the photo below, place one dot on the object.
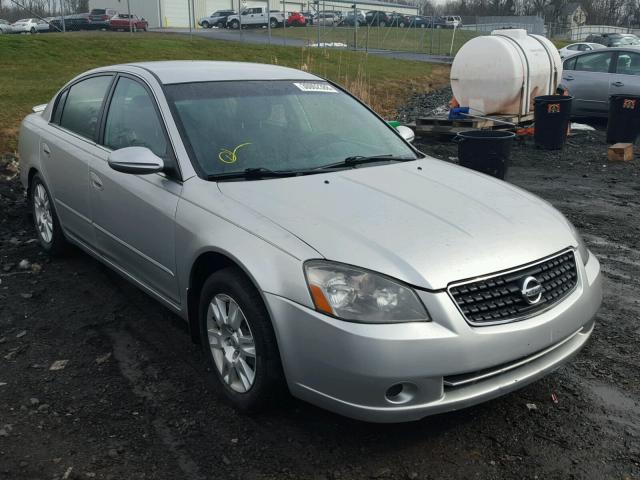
(486, 151)
(552, 114)
(624, 119)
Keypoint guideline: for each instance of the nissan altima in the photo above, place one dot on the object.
(308, 245)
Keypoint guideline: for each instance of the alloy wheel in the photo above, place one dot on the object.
(42, 213)
(231, 342)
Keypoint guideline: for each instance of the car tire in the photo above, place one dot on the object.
(273, 23)
(45, 219)
(235, 24)
(32, 31)
(242, 352)
(422, 25)
(206, 25)
(220, 24)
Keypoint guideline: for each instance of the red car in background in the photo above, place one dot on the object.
(296, 19)
(124, 21)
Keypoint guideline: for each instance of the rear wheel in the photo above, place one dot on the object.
(206, 24)
(220, 24)
(382, 24)
(239, 341)
(235, 24)
(33, 30)
(273, 23)
(45, 219)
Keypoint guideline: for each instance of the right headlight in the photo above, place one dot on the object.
(358, 295)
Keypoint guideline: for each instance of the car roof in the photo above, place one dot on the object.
(629, 48)
(188, 71)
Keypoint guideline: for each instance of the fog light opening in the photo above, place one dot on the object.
(400, 393)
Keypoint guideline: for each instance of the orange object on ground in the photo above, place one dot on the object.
(525, 132)
(453, 103)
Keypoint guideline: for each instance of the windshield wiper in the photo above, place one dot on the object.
(359, 160)
(255, 174)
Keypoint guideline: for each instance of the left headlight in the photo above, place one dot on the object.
(582, 247)
(358, 295)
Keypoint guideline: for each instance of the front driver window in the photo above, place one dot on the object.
(132, 120)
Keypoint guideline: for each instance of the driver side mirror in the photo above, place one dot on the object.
(406, 133)
(135, 160)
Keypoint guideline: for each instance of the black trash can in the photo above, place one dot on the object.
(624, 119)
(486, 151)
(552, 114)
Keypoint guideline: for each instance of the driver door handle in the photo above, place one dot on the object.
(568, 77)
(45, 149)
(618, 84)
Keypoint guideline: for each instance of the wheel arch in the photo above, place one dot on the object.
(205, 265)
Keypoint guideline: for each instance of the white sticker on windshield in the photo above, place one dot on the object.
(316, 87)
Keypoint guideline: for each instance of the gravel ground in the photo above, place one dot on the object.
(425, 104)
(131, 401)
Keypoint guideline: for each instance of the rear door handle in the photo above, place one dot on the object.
(618, 84)
(95, 181)
(45, 149)
(568, 77)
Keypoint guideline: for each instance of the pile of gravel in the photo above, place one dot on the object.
(425, 104)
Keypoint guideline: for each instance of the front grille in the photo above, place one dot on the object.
(499, 298)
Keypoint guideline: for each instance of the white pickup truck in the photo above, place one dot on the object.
(256, 17)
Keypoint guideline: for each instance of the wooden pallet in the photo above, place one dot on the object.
(445, 126)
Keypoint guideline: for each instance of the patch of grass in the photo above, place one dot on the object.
(423, 40)
(34, 67)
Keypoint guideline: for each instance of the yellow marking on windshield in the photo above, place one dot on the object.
(229, 156)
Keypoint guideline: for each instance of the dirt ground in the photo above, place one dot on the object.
(132, 403)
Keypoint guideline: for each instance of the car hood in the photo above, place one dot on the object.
(425, 222)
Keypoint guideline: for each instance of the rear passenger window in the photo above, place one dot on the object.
(594, 62)
(59, 107)
(82, 107)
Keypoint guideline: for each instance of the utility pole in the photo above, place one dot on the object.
(129, 13)
(64, 24)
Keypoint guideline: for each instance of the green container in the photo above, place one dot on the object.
(393, 123)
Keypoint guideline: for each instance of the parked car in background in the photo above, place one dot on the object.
(256, 17)
(579, 47)
(99, 17)
(308, 16)
(614, 39)
(351, 18)
(296, 19)
(398, 20)
(377, 18)
(29, 25)
(326, 19)
(216, 19)
(124, 21)
(183, 177)
(5, 27)
(592, 77)
(418, 21)
(452, 21)
(74, 22)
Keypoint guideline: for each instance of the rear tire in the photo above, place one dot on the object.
(33, 30)
(235, 24)
(239, 343)
(206, 25)
(382, 24)
(45, 219)
(273, 23)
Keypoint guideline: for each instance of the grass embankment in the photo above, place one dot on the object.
(423, 40)
(34, 67)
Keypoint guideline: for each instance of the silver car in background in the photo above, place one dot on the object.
(306, 242)
(592, 77)
(29, 25)
(575, 48)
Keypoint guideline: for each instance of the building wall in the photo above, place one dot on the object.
(176, 13)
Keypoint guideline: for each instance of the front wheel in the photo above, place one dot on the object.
(45, 219)
(235, 24)
(239, 341)
(220, 24)
(206, 25)
(33, 30)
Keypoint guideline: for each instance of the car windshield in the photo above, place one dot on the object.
(277, 125)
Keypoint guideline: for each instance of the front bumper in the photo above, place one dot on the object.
(444, 365)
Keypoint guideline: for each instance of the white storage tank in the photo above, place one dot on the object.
(503, 72)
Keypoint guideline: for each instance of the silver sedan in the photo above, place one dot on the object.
(307, 243)
(592, 77)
